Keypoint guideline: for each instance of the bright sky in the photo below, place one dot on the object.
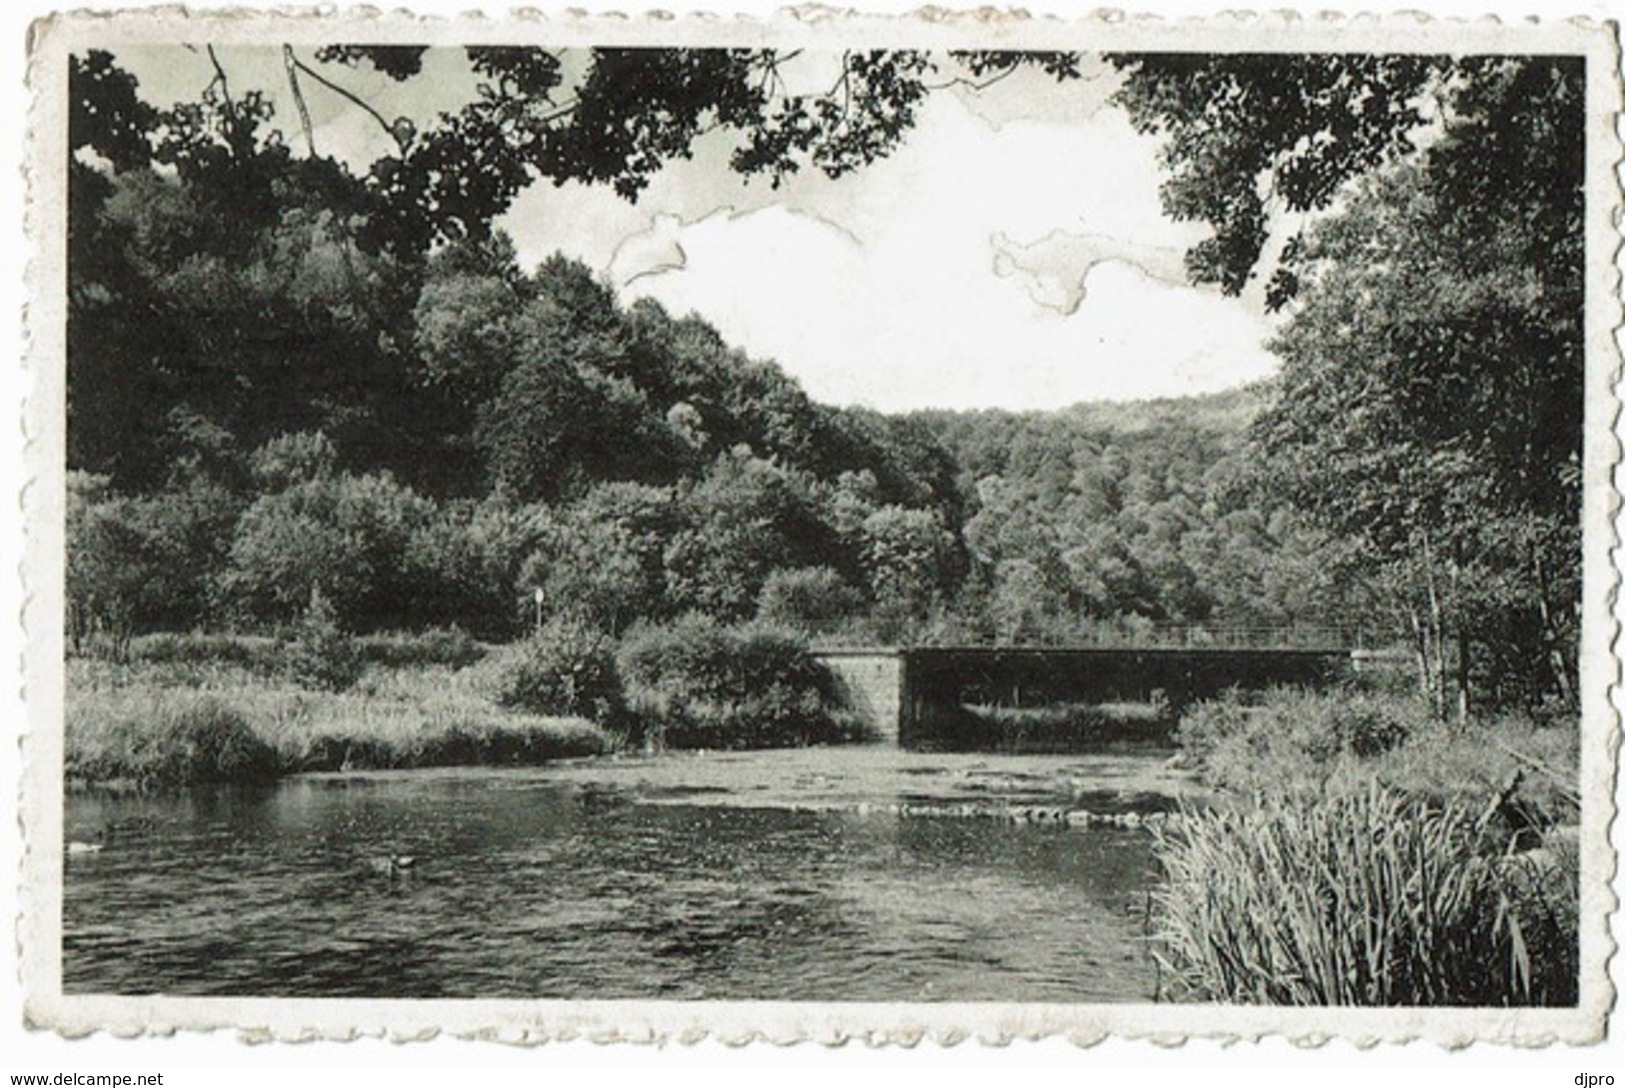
(1011, 253)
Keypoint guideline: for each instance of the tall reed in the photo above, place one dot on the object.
(1365, 898)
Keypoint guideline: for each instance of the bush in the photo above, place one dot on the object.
(136, 564)
(320, 654)
(1293, 735)
(815, 600)
(698, 684)
(179, 740)
(1361, 899)
(567, 669)
(464, 562)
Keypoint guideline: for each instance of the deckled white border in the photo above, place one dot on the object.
(535, 1021)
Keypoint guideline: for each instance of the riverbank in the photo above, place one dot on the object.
(176, 723)
(164, 721)
(175, 710)
(1373, 856)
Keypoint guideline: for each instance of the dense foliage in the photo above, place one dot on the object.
(1432, 400)
(566, 669)
(288, 376)
(696, 683)
(1429, 410)
(1102, 519)
(169, 744)
(432, 440)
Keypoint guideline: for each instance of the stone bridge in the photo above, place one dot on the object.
(895, 689)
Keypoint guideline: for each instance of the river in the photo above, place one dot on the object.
(820, 874)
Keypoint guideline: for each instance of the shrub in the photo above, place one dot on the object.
(1361, 899)
(136, 564)
(698, 684)
(1293, 735)
(567, 668)
(464, 564)
(320, 654)
(175, 741)
(815, 600)
(602, 558)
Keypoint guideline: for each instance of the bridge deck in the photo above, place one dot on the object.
(900, 690)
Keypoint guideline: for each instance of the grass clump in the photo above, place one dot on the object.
(1293, 736)
(166, 739)
(435, 646)
(699, 684)
(198, 648)
(418, 717)
(1366, 898)
(136, 725)
(329, 739)
(1312, 743)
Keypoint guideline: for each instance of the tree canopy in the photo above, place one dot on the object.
(1431, 399)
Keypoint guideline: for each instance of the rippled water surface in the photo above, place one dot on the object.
(763, 876)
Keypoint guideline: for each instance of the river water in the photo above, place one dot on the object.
(772, 875)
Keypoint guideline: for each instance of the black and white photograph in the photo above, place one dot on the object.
(1096, 528)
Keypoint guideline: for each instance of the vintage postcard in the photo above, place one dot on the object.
(821, 527)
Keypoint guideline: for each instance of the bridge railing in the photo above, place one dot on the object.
(1192, 636)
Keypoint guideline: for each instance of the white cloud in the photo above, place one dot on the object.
(1010, 252)
(906, 291)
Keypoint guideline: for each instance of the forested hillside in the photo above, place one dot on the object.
(1118, 516)
(272, 396)
(291, 380)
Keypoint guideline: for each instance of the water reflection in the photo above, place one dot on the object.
(553, 886)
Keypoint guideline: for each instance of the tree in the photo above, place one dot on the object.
(909, 560)
(141, 563)
(1026, 603)
(466, 564)
(1246, 132)
(602, 558)
(343, 535)
(1430, 404)
(744, 519)
(612, 117)
(214, 281)
(811, 600)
